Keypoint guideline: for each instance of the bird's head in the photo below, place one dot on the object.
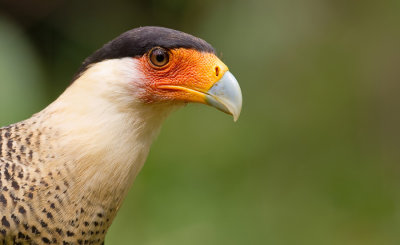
(159, 65)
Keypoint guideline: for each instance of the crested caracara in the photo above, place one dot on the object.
(65, 171)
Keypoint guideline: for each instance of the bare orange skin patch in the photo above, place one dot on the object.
(187, 76)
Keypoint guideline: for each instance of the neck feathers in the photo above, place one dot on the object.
(100, 136)
(103, 129)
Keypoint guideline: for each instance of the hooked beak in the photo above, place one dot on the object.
(225, 95)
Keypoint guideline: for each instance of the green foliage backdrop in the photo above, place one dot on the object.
(314, 158)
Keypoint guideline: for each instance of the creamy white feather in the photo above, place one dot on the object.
(104, 132)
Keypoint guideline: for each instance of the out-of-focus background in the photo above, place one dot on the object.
(314, 158)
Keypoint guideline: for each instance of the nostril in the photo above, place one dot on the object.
(217, 71)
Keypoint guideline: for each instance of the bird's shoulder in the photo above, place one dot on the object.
(20, 144)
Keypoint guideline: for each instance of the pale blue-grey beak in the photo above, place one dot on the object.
(226, 95)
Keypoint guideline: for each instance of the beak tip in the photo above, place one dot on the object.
(236, 117)
(235, 111)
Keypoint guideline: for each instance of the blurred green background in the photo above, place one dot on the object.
(314, 158)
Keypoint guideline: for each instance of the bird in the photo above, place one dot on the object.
(65, 171)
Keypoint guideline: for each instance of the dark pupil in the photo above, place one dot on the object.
(160, 57)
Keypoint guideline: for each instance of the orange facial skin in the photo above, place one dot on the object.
(187, 76)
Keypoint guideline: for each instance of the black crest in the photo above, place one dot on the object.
(139, 41)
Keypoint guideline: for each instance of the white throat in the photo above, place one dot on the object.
(104, 133)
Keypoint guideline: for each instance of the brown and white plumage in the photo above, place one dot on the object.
(65, 171)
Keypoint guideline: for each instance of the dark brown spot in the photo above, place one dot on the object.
(46, 240)
(22, 210)
(15, 199)
(15, 218)
(35, 230)
(59, 231)
(28, 139)
(3, 199)
(43, 224)
(10, 144)
(7, 175)
(15, 185)
(5, 222)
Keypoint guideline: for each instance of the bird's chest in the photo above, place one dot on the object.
(37, 208)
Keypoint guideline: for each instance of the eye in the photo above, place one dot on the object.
(159, 57)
